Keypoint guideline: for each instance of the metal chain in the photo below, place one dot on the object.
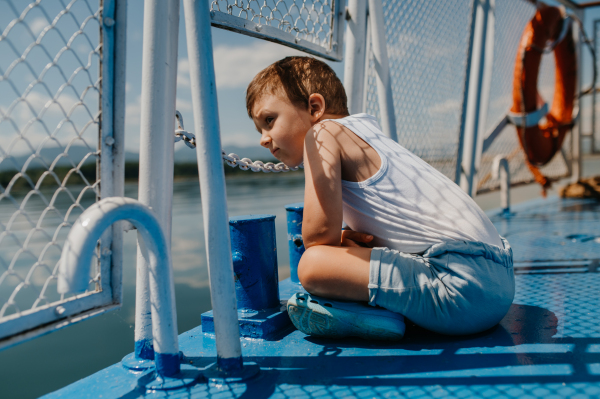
(232, 159)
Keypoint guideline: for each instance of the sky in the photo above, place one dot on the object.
(237, 59)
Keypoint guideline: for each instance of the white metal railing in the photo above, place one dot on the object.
(77, 256)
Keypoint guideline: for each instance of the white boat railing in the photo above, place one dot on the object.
(77, 256)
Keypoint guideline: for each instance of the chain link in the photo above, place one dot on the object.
(232, 159)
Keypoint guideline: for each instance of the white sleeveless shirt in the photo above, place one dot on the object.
(408, 205)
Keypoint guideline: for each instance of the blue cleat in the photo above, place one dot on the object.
(326, 318)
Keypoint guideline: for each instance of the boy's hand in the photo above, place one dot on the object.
(351, 238)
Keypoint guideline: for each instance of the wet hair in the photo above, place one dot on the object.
(298, 78)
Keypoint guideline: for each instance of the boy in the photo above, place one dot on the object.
(418, 245)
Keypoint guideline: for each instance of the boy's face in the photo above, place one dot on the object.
(282, 126)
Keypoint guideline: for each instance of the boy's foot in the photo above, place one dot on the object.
(326, 318)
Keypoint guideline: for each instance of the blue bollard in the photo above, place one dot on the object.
(294, 225)
(254, 255)
(290, 286)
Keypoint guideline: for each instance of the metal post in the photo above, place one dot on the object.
(576, 132)
(254, 253)
(501, 170)
(118, 148)
(106, 138)
(477, 90)
(594, 92)
(255, 261)
(354, 64)
(295, 214)
(159, 74)
(212, 184)
(382, 69)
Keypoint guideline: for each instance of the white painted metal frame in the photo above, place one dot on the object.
(159, 83)
(334, 52)
(477, 88)
(212, 183)
(382, 69)
(576, 131)
(355, 55)
(501, 171)
(45, 319)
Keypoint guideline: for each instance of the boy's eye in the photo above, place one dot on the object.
(269, 120)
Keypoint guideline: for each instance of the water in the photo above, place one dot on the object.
(48, 363)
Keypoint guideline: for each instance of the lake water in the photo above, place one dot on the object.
(48, 363)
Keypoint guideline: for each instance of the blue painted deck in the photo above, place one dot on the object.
(547, 346)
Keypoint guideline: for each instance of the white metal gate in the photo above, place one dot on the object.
(61, 128)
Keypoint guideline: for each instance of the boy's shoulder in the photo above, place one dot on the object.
(327, 131)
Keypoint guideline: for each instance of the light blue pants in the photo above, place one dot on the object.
(455, 287)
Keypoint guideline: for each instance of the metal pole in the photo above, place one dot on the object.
(576, 132)
(159, 74)
(212, 184)
(106, 139)
(382, 69)
(501, 170)
(354, 64)
(594, 93)
(477, 95)
(118, 147)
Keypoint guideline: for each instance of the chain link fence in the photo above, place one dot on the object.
(309, 25)
(427, 45)
(49, 126)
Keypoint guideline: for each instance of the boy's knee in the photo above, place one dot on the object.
(308, 268)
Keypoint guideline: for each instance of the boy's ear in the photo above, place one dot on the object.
(316, 106)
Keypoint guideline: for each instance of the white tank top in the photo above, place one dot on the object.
(408, 205)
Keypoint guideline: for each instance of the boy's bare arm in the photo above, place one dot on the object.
(323, 186)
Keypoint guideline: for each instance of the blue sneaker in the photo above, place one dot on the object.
(326, 318)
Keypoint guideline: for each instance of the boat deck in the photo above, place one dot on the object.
(548, 345)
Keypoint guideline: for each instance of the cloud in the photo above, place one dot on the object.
(183, 105)
(38, 25)
(39, 105)
(448, 106)
(244, 139)
(235, 66)
(133, 112)
(183, 73)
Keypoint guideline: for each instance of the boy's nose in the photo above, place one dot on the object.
(265, 141)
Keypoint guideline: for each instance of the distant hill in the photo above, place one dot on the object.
(47, 156)
(183, 155)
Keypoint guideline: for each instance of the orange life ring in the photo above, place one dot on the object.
(541, 141)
